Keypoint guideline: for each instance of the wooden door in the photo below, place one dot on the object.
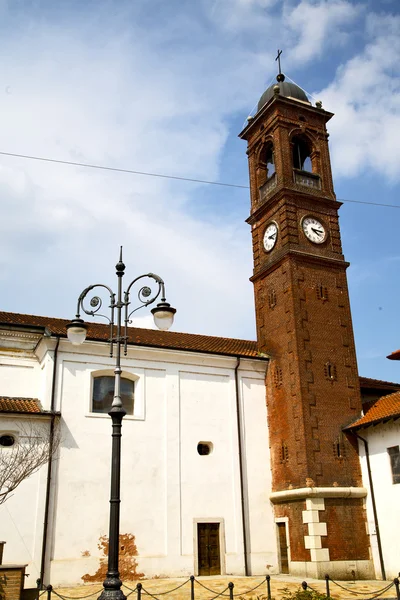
(208, 549)
(283, 547)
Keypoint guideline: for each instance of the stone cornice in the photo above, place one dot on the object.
(317, 492)
(287, 254)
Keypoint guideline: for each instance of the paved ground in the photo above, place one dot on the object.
(156, 587)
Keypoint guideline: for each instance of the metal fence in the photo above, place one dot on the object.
(377, 594)
(228, 592)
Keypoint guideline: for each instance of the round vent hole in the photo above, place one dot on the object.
(204, 448)
(7, 440)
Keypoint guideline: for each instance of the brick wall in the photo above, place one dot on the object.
(304, 322)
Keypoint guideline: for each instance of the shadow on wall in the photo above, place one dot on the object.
(127, 562)
(67, 440)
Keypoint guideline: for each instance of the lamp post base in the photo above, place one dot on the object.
(112, 589)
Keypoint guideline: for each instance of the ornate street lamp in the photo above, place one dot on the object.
(163, 315)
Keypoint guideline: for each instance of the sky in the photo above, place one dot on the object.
(166, 87)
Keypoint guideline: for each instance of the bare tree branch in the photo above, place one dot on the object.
(32, 449)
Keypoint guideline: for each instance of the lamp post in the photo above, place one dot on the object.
(163, 315)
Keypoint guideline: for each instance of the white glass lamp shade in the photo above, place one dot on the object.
(163, 315)
(76, 332)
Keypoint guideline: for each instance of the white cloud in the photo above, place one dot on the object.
(365, 96)
(69, 97)
(316, 25)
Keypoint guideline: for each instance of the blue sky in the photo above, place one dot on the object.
(166, 87)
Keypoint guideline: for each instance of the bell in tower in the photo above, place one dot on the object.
(304, 323)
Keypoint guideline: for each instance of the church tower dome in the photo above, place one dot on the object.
(286, 88)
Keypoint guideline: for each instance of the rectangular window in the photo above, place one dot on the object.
(394, 454)
(103, 394)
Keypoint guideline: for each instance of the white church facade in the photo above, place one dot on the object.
(183, 464)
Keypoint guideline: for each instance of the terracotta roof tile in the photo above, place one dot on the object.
(144, 337)
(19, 405)
(378, 384)
(386, 408)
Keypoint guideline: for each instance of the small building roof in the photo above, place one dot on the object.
(20, 405)
(384, 409)
(394, 355)
(378, 384)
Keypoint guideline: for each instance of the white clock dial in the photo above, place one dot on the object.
(270, 236)
(314, 230)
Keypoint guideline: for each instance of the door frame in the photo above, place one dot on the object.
(278, 545)
(221, 542)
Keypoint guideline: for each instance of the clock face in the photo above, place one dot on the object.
(270, 236)
(314, 230)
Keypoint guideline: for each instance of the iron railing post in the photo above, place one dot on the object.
(304, 585)
(139, 591)
(268, 580)
(397, 585)
(231, 586)
(49, 589)
(328, 593)
(192, 587)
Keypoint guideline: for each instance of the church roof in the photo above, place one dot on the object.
(142, 337)
(385, 409)
(287, 89)
(171, 340)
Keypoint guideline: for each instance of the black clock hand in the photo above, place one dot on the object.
(271, 237)
(317, 231)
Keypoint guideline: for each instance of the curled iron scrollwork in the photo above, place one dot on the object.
(146, 295)
(95, 302)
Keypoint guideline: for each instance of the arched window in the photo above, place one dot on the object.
(269, 159)
(301, 154)
(266, 164)
(103, 394)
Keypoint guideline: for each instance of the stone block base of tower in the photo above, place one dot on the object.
(322, 530)
(342, 570)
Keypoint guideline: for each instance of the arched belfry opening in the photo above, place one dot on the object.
(301, 154)
(266, 164)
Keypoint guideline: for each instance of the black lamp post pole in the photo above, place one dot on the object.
(112, 583)
(163, 314)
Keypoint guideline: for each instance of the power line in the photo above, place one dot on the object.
(370, 203)
(148, 174)
(104, 168)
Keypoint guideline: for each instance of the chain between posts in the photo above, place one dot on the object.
(230, 589)
(397, 586)
(306, 586)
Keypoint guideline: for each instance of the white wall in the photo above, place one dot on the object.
(21, 515)
(387, 494)
(167, 487)
(22, 374)
(20, 377)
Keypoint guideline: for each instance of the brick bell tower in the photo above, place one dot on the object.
(304, 323)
